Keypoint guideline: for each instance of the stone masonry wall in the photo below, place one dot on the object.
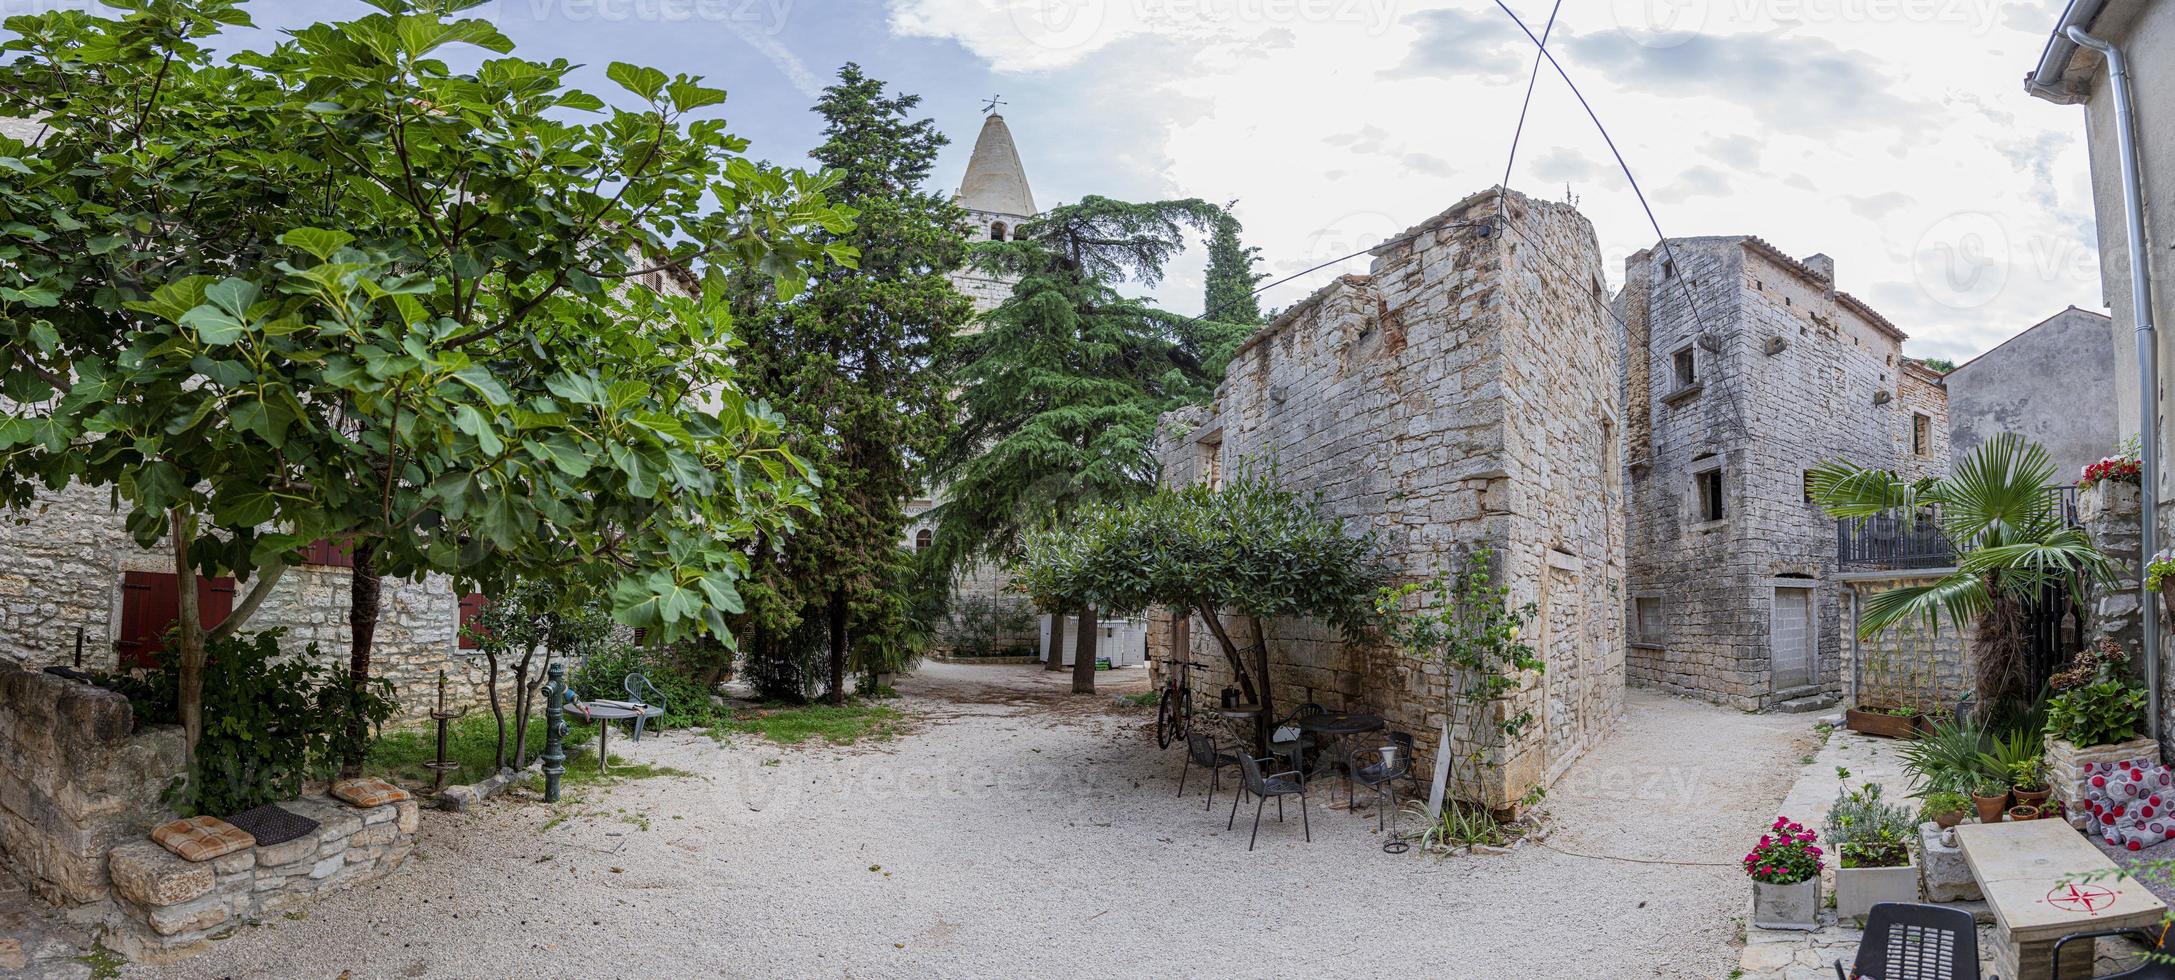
(61, 562)
(1911, 665)
(75, 781)
(1788, 373)
(1460, 396)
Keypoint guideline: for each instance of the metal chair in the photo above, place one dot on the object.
(1915, 942)
(1263, 787)
(641, 691)
(1202, 750)
(2157, 969)
(1378, 767)
(1296, 747)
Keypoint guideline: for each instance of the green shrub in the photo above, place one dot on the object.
(603, 677)
(2104, 712)
(1868, 832)
(271, 721)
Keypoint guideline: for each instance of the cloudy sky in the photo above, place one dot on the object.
(1893, 135)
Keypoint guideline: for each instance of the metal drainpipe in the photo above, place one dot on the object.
(2148, 372)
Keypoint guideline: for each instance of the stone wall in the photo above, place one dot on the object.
(1459, 396)
(1785, 373)
(2052, 384)
(1909, 665)
(75, 780)
(61, 563)
(166, 908)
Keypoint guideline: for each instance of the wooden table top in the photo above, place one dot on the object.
(2031, 872)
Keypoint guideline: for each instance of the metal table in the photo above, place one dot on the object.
(608, 712)
(1338, 724)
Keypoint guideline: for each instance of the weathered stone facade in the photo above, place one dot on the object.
(2053, 383)
(1743, 369)
(75, 780)
(1460, 396)
(66, 555)
(1909, 665)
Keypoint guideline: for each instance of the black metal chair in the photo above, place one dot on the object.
(2158, 969)
(1263, 787)
(1295, 748)
(1378, 767)
(1202, 750)
(1915, 942)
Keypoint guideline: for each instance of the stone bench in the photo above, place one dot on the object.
(166, 909)
(2030, 873)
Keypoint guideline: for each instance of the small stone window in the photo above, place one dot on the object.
(1649, 624)
(1212, 462)
(1668, 269)
(1921, 434)
(1685, 367)
(1707, 504)
(922, 539)
(996, 231)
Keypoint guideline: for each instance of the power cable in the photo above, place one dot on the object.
(1503, 189)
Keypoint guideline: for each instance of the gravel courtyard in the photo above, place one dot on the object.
(1014, 831)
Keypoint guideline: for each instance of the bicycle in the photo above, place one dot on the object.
(1174, 710)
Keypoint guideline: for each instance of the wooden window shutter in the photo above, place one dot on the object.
(471, 606)
(151, 604)
(326, 552)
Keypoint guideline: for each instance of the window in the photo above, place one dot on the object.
(1668, 269)
(1708, 485)
(471, 607)
(922, 539)
(1808, 486)
(324, 552)
(1212, 464)
(1647, 624)
(1686, 368)
(151, 603)
(996, 231)
(1921, 435)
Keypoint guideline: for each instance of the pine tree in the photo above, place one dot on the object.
(852, 365)
(1061, 390)
(1229, 293)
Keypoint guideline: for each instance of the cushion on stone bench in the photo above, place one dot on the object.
(202, 838)
(368, 792)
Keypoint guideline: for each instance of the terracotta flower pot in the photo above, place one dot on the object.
(1949, 819)
(2023, 812)
(2037, 797)
(1990, 807)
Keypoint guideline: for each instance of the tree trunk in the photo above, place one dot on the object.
(362, 624)
(1083, 663)
(838, 646)
(524, 700)
(2000, 648)
(190, 637)
(1057, 642)
(1267, 719)
(1240, 671)
(490, 683)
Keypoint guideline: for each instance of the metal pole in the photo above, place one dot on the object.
(554, 731)
(2148, 350)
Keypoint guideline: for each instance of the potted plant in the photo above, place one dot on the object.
(2160, 577)
(2023, 811)
(2095, 719)
(1893, 721)
(1785, 871)
(1990, 797)
(1946, 808)
(1872, 841)
(2027, 782)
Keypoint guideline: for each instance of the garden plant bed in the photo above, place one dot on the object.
(1884, 724)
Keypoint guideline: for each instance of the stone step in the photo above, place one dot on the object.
(1810, 702)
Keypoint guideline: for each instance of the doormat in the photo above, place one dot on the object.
(271, 825)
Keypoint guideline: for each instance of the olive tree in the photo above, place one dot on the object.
(1250, 548)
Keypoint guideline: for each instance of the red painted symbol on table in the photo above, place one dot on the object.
(2089, 899)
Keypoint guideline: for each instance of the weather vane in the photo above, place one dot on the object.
(994, 102)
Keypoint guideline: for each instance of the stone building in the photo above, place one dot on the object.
(1743, 369)
(995, 194)
(1461, 395)
(2053, 384)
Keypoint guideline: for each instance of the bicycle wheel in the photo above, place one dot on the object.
(1169, 727)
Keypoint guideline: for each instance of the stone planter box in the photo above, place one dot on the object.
(1787, 906)
(2065, 766)
(1857, 890)
(166, 909)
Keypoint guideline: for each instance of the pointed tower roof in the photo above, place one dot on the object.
(995, 180)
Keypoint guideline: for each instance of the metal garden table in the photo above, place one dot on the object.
(608, 712)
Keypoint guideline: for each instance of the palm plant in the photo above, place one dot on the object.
(2011, 542)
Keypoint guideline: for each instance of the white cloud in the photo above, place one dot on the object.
(1895, 137)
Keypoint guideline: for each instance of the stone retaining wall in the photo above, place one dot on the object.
(74, 781)
(166, 908)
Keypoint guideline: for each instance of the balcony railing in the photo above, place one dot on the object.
(1896, 541)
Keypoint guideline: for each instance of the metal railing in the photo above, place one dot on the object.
(1895, 541)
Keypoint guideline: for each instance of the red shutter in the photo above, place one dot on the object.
(150, 605)
(471, 606)
(326, 552)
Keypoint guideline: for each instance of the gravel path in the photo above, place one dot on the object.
(1018, 832)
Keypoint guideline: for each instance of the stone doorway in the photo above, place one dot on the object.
(1790, 637)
